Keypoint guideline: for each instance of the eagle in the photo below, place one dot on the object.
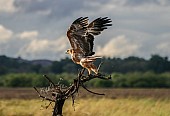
(81, 37)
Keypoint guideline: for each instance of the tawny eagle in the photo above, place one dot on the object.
(81, 36)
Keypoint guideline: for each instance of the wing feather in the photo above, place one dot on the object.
(81, 34)
(77, 32)
(95, 28)
(98, 25)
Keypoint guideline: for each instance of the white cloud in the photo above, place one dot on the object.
(5, 34)
(119, 47)
(45, 48)
(7, 6)
(44, 12)
(144, 24)
(37, 46)
(163, 48)
(28, 34)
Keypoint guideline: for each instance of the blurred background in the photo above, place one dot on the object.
(33, 39)
(135, 49)
(36, 29)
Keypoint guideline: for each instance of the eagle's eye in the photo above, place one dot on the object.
(71, 28)
(67, 52)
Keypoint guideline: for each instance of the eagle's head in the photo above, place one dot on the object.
(69, 51)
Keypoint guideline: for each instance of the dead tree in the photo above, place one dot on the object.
(58, 93)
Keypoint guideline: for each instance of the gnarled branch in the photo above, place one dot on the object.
(55, 93)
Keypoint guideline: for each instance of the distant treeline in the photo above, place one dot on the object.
(128, 80)
(156, 64)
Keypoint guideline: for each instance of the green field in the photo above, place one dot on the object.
(116, 102)
(89, 107)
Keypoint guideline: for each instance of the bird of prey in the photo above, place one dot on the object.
(81, 37)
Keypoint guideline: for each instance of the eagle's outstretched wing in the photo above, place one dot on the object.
(77, 32)
(98, 25)
(95, 28)
(81, 34)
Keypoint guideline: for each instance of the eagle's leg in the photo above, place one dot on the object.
(94, 68)
(89, 71)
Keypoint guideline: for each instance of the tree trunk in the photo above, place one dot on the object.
(58, 107)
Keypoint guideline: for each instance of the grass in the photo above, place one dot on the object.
(117, 102)
(19, 107)
(89, 107)
(30, 93)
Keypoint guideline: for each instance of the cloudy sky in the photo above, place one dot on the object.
(36, 29)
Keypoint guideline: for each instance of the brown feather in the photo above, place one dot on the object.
(81, 37)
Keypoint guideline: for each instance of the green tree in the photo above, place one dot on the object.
(56, 67)
(3, 70)
(159, 64)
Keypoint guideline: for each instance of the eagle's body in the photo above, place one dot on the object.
(81, 37)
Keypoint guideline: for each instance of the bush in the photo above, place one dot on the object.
(17, 80)
(129, 80)
(142, 80)
(33, 79)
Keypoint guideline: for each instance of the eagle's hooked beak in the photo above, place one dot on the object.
(66, 52)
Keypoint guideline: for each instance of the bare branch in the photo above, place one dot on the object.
(50, 81)
(46, 98)
(99, 66)
(59, 94)
(91, 91)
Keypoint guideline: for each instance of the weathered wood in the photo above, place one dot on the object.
(55, 93)
(58, 107)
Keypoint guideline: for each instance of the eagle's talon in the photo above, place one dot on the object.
(109, 77)
(99, 74)
(90, 75)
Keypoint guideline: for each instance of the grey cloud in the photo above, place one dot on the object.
(140, 2)
(134, 3)
(143, 22)
(59, 8)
